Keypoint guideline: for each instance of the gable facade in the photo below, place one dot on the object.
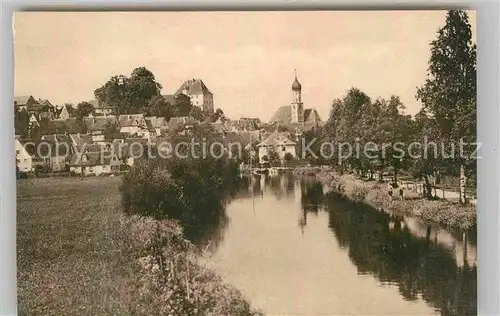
(199, 94)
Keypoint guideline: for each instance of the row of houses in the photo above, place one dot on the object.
(64, 152)
(40, 109)
(77, 153)
(149, 127)
(131, 124)
(91, 155)
(193, 90)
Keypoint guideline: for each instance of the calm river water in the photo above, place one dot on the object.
(293, 250)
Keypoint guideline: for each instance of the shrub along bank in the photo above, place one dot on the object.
(191, 191)
(172, 203)
(443, 212)
(173, 281)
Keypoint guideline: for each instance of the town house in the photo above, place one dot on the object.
(277, 142)
(132, 124)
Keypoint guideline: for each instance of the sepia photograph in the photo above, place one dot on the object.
(241, 163)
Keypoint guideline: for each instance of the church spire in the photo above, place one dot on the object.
(296, 86)
(297, 110)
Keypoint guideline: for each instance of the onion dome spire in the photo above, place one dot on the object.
(296, 86)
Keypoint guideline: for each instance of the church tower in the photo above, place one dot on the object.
(297, 107)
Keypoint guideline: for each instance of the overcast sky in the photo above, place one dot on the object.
(247, 59)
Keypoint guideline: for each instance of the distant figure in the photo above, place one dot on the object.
(390, 192)
(401, 193)
(340, 188)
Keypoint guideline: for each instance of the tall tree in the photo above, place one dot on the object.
(159, 107)
(21, 122)
(197, 113)
(47, 127)
(372, 129)
(129, 94)
(399, 132)
(449, 92)
(218, 114)
(426, 162)
(142, 86)
(83, 109)
(114, 93)
(343, 123)
(182, 106)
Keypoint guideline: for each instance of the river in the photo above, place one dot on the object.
(292, 249)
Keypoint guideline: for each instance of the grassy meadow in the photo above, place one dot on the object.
(72, 256)
(79, 254)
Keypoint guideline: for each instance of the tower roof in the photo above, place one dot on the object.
(193, 86)
(296, 86)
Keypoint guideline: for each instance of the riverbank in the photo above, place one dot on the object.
(79, 254)
(443, 212)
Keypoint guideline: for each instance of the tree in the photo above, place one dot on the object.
(129, 94)
(114, 93)
(21, 122)
(345, 115)
(79, 126)
(312, 138)
(197, 113)
(182, 106)
(265, 159)
(449, 92)
(288, 158)
(249, 154)
(141, 87)
(83, 109)
(426, 131)
(159, 107)
(47, 127)
(17, 168)
(274, 158)
(112, 131)
(399, 132)
(218, 114)
(357, 125)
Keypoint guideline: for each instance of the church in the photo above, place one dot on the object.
(295, 114)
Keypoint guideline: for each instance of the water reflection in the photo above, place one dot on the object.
(311, 195)
(383, 245)
(424, 263)
(311, 200)
(280, 186)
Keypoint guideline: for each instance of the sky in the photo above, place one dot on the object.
(247, 59)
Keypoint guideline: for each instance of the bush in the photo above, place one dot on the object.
(172, 281)
(42, 169)
(190, 191)
(359, 193)
(25, 175)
